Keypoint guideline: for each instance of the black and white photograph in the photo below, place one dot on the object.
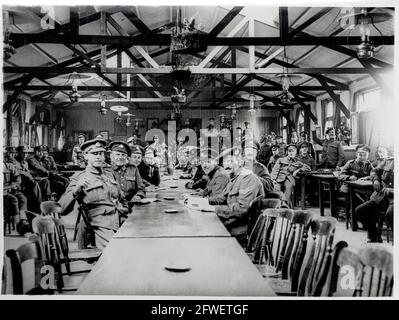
(199, 151)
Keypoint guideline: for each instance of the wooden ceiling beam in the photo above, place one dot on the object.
(225, 21)
(336, 99)
(164, 40)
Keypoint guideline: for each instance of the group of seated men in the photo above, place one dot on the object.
(29, 180)
(231, 181)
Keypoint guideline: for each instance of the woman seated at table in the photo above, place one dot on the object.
(381, 155)
(304, 155)
(285, 171)
(381, 201)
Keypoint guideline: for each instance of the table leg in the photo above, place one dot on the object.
(333, 199)
(321, 203)
(352, 202)
(303, 185)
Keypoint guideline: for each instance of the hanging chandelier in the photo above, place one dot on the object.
(128, 120)
(103, 110)
(363, 20)
(75, 79)
(119, 109)
(233, 109)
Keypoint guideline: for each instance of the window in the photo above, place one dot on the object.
(368, 100)
(284, 132)
(328, 108)
(301, 122)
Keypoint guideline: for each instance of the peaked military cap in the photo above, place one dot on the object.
(94, 145)
(22, 149)
(120, 147)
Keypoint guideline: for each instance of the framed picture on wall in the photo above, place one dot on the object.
(152, 123)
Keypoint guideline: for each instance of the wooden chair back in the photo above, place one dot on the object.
(294, 254)
(345, 263)
(269, 237)
(320, 256)
(26, 252)
(253, 212)
(377, 274)
(51, 208)
(45, 228)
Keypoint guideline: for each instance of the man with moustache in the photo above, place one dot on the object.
(233, 205)
(218, 178)
(127, 176)
(98, 190)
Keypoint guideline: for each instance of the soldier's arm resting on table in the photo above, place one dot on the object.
(346, 171)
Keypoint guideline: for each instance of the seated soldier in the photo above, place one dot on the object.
(285, 171)
(77, 154)
(233, 205)
(38, 171)
(250, 153)
(58, 183)
(14, 202)
(127, 176)
(218, 178)
(148, 167)
(98, 190)
(333, 156)
(381, 201)
(275, 154)
(304, 156)
(29, 187)
(281, 144)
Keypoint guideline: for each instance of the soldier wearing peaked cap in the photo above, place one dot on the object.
(128, 176)
(232, 206)
(99, 191)
(218, 179)
(77, 154)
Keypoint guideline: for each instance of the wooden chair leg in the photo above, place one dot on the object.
(75, 232)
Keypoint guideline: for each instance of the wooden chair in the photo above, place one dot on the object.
(45, 228)
(265, 236)
(377, 273)
(89, 255)
(4, 277)
(27, 251)
(319, 259)
(370, 270)
(253, 212)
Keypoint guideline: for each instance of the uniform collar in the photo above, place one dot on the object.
(95, 170)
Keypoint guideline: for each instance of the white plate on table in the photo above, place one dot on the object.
(171, 211)
(177, 266)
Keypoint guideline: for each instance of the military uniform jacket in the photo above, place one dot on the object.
(49, 163)
(36, 167)
(333, 154)
(272, 162)
(355, 168)
(22, 168)
(101, 197)
(147, 176)
(129, 180)
(77, 155)
(285, 167)
(232, 207)
(217, 183)
(383, 173)
(263, 174)
(308, 160)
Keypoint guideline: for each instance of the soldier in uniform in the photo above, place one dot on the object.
(251, 150)
(34, 191)
(304, 137)
(285, 170)
(127, 176)
(98, 189)
(281, 144)
(233, 205)
(218, 179)
(148, 168)
(275, 155)
(333, 156)
(77, 154)
(380, 201)
(304, 156)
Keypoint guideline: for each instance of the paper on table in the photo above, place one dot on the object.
(146, 200)
(197, 203)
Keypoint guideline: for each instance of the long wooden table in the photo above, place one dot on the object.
(136, 266)
(150, 220)
(134, 261)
